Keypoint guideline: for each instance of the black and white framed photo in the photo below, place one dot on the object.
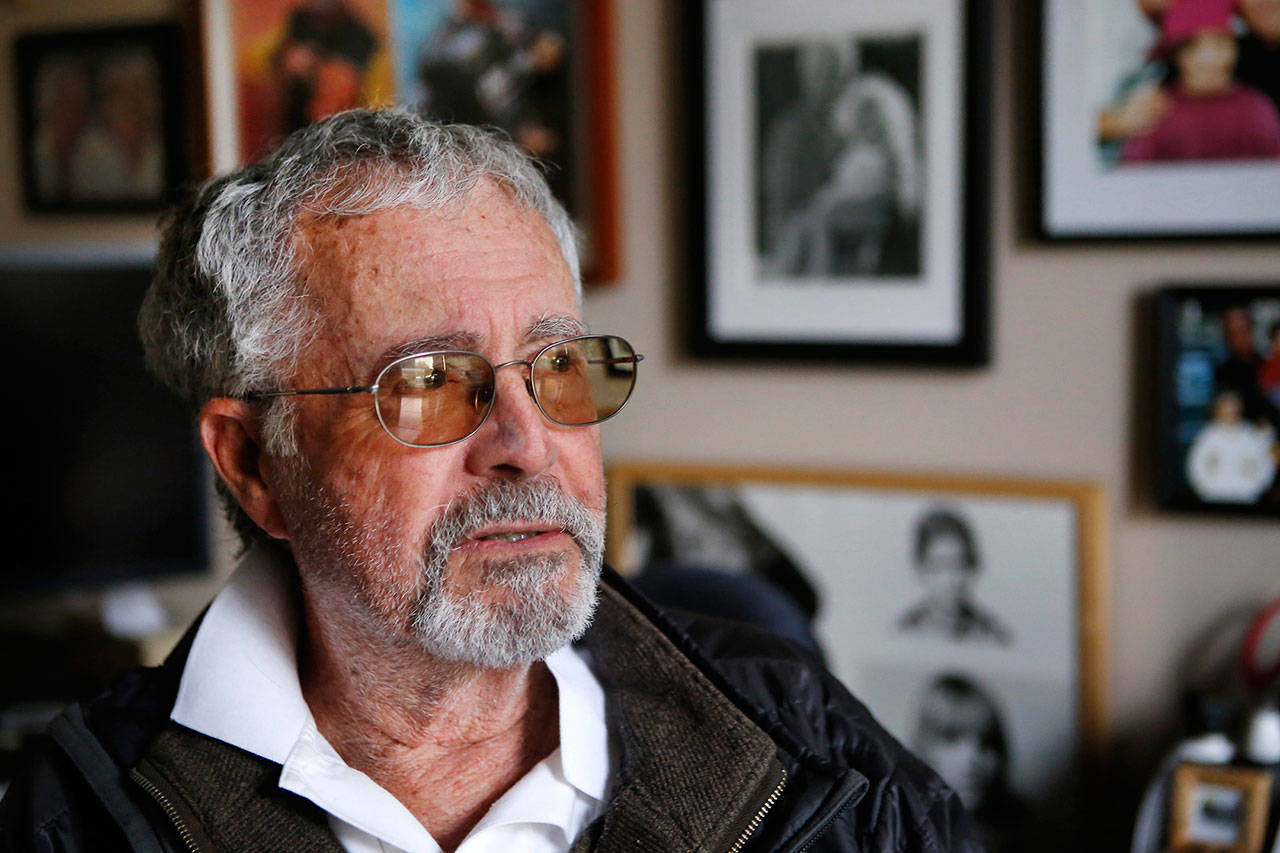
(840, 183)
(103, 124)
(1159, 119)
(969, 614)
(1217, 384)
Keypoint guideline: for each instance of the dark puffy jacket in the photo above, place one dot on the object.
(730, 739)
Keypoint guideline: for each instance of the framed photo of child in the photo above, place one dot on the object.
(968, 613)
(1218, 399)
(1160, 118)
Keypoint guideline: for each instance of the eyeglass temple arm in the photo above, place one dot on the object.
(349, 389)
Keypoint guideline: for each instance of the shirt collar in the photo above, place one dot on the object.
(240, 684)
(584, 736)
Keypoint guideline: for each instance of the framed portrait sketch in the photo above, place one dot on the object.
(969, 614)
(839, 192)
(1218, 399)
(539, 70)
(1159, 123)
(1219, 809)
(102, 119)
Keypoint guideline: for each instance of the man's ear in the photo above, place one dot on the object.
(230, 435)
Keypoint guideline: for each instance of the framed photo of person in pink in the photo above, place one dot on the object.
(1160, 118)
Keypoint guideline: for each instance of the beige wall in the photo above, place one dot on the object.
(1060, 399)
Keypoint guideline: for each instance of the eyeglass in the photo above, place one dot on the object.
(431, 399)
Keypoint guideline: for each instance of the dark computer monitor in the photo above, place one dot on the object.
(106, 480)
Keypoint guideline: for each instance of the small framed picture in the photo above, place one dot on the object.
(1217, 383)
(1219, 809)
(102, 118)
(969, 614)
(840, 203)
(540, 70)
(1159, 120)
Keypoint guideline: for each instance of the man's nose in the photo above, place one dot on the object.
(516, 440)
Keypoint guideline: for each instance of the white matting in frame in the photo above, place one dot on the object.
(1088, 46)
(747, 301)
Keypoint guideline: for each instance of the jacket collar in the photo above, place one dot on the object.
(698, 760)
(694, 770)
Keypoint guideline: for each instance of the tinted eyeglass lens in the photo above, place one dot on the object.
(436, 398)
(585, 380)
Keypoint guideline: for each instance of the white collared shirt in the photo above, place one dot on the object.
(241, 686)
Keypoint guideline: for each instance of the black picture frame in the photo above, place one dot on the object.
(1193, 367)
(72, 79)
(1095, 57)
(954, 330)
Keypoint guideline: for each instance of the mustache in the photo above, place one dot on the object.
(504, 501)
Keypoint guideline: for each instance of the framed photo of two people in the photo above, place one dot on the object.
(968, 614)
(839, 179)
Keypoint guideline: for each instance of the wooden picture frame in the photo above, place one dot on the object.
(1219, 809)
(102, 118)
(1124, 154)
(1216, 445)
(543, 73)
(839, 172)
(1039, 655)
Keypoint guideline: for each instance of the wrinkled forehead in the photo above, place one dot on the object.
(420, 257)
(488, 268)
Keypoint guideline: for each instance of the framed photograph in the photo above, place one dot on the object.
(969, 614)
(841, 200)
(540, 70)
(1159, 124)
(1217, 383)
(1219, 809)
(273, 66)
(101, 118)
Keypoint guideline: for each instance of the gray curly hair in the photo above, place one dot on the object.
(226, 313)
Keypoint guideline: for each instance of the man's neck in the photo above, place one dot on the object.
(446, 739)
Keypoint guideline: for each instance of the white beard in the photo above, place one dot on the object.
(545, 601)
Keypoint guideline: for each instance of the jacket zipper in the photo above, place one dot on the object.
(170, 810)
(758, 818)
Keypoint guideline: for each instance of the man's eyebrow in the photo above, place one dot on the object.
(555, 326)
(457, 340)
(549, 326)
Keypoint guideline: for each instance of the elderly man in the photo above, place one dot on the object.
(379, 327)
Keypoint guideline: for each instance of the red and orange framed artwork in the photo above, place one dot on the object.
(538, 70)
